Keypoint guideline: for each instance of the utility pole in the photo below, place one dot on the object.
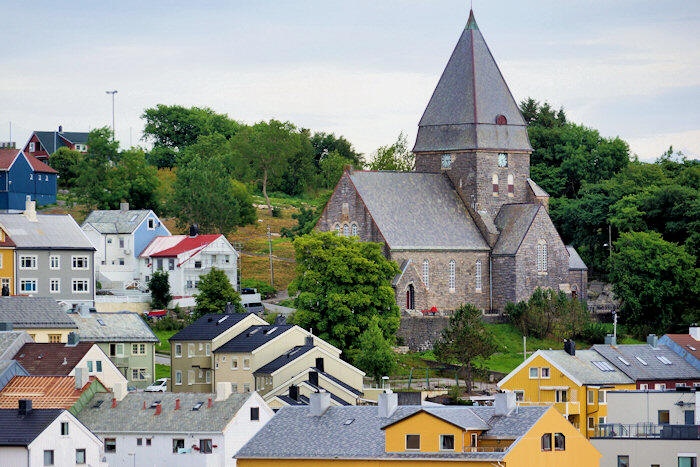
(610, 238)
(269, 247)
(112, 93)
(614, 313)
(524, 348)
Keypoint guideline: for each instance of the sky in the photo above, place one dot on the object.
(361, 69)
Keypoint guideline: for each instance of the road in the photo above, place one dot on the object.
(162, 358)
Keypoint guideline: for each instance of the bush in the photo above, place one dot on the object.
(594, 333)
(160, 289)
(265, 289)
(549, 314)
(166, 324)
(276, 212)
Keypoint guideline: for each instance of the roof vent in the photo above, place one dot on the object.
(123, 206)
(65, 361)
(73, 339)
(198, 406)
(610, 340)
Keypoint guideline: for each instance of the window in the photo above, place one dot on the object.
(54, 285)
(542, 256)
(198, 265)
(151, 224)
(478, 276)
(452, 275)
(519, 395)
(110, 445)
(138, 349)
(234, 363)
(354, 229)
(602, 397)
(178, 350)
(80, 456)
(148, 441)
(205, 446)
(591, 423)
(171, 264)
(80, 263)
(208, 349)
(546, 441)
(234, 388)
(246, 387)
(121, 242)
(98, 366)
(32, 147)
(494, 184)
(31, 176)
(27, 262)
(687, 460)
(138, 374)
(591, 397)
(178, 443)
(560, 395)
(474, 439)
(559, 442)
(64, 428)
(121, 261)
(446, 161)
(190, 350)
(337, 228)
(412, 442)
(80, 286)
(89, 366)
(116, 350)
(54, 338)
(159, 264)
(623, 461)
(246, 364)
(208, 376)
(190, 377)
(426, 273)
(641, 360)
(346, 230)
(255, 413)
(178, 377)
(511, 186)
(663, 417)
(54, 262)
(601, 420)
(48, 457)
(503, 160)
(534, 373)
(139, 441)
(660, 386)
(644, 387)
(447, 442)
(664, 360)
(544, 372)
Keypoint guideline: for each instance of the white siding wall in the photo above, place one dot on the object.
(242, 429)
(11, 456)
(110, 374)
(160, 452)
(79, 437)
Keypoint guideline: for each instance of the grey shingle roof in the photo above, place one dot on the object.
(581, 368)
(654, 368)
(22, 430)
(575, 261)
(51, 140)
(293, 433)
(471, 93)
(34, 313)
(284, 359)
(116, 221)
(209, 326)
(339, 382)
(124, 326)
(401, 203)
(129, 415)
(11, 342)
(254, 337)
(513, 222)
(536, 190)
(58, 231)
(75, 136)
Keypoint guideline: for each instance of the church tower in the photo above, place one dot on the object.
(473, 131)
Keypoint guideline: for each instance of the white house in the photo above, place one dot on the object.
(187, 257)
(177, 430)
(38, 437)
(119, 236)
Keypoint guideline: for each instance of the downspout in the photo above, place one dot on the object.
(490, 283)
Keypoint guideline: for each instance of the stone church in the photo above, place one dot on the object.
(468, 225)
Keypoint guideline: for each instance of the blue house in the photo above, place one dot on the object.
(23, 175)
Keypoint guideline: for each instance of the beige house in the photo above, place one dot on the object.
(41, 317)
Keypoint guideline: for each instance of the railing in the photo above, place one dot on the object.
(646, 430)
(485, 449)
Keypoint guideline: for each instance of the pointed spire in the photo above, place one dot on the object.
(471, 24)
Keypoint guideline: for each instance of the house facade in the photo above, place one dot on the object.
(42, 318)
(22, 176)
(468, 225)
(119, 237)
(42, 144)
(7, 264)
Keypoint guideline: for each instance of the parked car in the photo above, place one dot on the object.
(255, 307)
(159, 385)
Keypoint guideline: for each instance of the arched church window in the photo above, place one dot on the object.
(410, 297)
(452, 275)
(542, 256)
(426, 273)
(511, 185)
(501, 120)
(478, 276)
(494, 183)
(446, 161)
(354, 229)
(346, 230)
(337, 228)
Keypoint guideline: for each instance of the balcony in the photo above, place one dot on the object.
(486, 448)
(646, 430)
(565, 408)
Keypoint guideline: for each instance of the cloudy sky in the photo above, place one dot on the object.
(363, 69)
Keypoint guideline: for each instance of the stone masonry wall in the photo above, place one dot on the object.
(420, 296)
(504, 280)
(579, 278)
(420, 333)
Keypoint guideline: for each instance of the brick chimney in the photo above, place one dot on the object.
(158, 409)
(144, 405)
(209, 403)
(114, 402)
(177, 404)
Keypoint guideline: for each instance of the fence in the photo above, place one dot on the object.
(647, 430)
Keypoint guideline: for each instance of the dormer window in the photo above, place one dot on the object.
(446, 161)
(503, 159)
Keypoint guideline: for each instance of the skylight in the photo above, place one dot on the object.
(198, 406)
(102, 323)
(348, 421)
(664, 360)
(641, 360)
(153, 405)
(222, 319)
(271, 330)
(692, 348)
(133, 218)
(97, 404)
(603, 366)
(623, 361)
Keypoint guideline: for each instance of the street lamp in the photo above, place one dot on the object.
(112, 93)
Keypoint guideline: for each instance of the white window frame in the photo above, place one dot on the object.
(537, 372)
(477, 277)
(52, 281)
(353, 229)
(452, 281)
(602, 397)
(542, 372)
(178, 378)
(74, 259)
(346, 230)
(27, 280)
(190, 350)
(208, 376)
(57, 265)
(591, 423)
(234, 363)
(138, 346)
(32, 146)
(558, 395)
(511, 183)
(454, 443)
(74, 282)
(178, 350)
(246, 366)
(208, 349)
(406, 441)
(151, 224)
(590, 397)
(33, 261)
(426, 273)
(542, 257)
(520, 392)
(190, 377)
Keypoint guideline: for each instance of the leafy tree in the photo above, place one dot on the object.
(375, 356)
(394, 157)
(657, 282)
(159, 285)
(67, 162)
(95, 187)
(307, 218)
(465, 340)
(162, 157)
(301, 173)
(549, 314)
(326, 143)
(139, 178)
(215, 291)
(343, 283)
(332, 166)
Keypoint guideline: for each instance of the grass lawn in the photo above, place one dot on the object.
(162, 371)
(163, 336)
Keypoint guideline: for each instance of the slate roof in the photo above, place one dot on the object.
(34, 313)
(123, 326)
(129, 415)
(55, 231)
(338, 382)
(513, 222)
(402, 202)
(302, 400)
(209, 326)
(11, 342)
(254, 337)
(536, 190)
(116, 221)
(470, 94)
(581, 367)
(46, 392)
(654, 369)
(48, 359)
(293, 433)
(51, 140)
(284, 359)
(21, 430)
(8, 370)
(575, 261)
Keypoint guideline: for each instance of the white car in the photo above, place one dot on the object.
(159, 385)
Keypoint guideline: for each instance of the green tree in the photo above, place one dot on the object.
(374, 354)
(215, 291)
(159, 285)
(95, 187)
(549, 314)
(326, 143)
(657, 282)
(307, 218)
(394, 157)
(465, 340)
(331, 169)
(342, 284)
(139, 178)
(67, 162)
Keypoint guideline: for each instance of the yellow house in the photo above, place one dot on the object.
(390, 435)
(41, 317)
(574, 382)
(7, 265)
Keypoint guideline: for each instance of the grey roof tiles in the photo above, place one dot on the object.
(284, 359)
(254, 337)
(11, 342)
(116, 221)
(513, 222)
(575, 261)
(57, 231)
(651, 366)
(580, 367)
(123, 326)
(34, 313)
(21, 430)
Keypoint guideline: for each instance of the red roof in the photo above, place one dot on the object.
(688, 343)
(39, 166)
(187, 244)
(47, 359)
(46, 392)
(7, 156)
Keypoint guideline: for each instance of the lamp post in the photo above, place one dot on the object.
(112, 93)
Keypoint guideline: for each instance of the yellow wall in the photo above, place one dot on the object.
(7, 269)
(42, 335)
(428, 427)
(358, 463)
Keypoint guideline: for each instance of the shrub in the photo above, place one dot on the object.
(549, 314)
(594, 333)
(160, 289)
(265, 289)
(166, 324)
(276, 212)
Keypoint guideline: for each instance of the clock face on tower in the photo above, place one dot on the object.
(503, 160)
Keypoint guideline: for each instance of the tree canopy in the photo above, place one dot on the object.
(393, 157)
(374, 355)
(215, 291)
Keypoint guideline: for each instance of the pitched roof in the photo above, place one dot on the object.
(8, 370)
(116, 221)
(401, 203)
(575, 261)
(129, 414)
(284, 359)
(123, 326)
(21, 430)
(209, 326)
(185, 244)
(582, 368)
(34, 313)
(651, 366)
(45, 392)
(513, 222)
(536, 190)
(254, 337)
(80, 137)
(51, 140)
(11, 342)
(687, 343)
(51, 359)
(293, 433)
(8, 156)
(462, 112)
(58, 231)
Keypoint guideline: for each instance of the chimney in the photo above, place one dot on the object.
(230, 308)
(280, 320)
(60, 128)
(159, 409)
(81, 377)
(313, 378)
(194, 230)
(570, 347)
(177, 404)
(25, 406)
(504, 402)
(387, 402)
(223, 390)
(309, 340)
(653, 340)
(84, 309)
(694, 331)
(123, 206)
(114, 402)
(610, 340)
(30, 209)
(209, 403)
(319, 364)
(294, 392)
(319, 402)
(144, 405)
(73, 339)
